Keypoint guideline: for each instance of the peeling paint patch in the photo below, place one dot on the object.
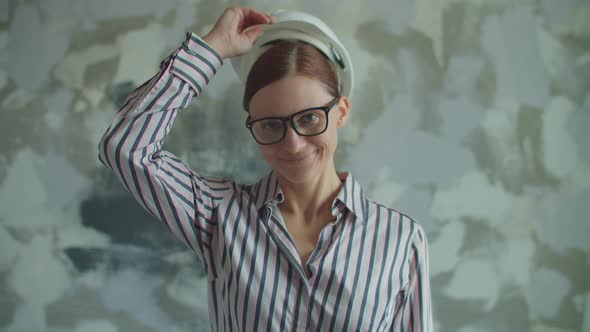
(13, 195)
(386, 190)
(140, 51)
(57, 106)
(10, 249)
(474, 280)
(472, 196)
(3, 11)
(517, 262)
(559, 149)
(95, 326)
(548, 289)
(17, 99)
(131, 291)
(586, 322)
(29, 70)
(564, 222)
(38, 276)
(431, 159)
(445, 248)
(510, 41)
(113, 9)
(401, 13)
(70, 70)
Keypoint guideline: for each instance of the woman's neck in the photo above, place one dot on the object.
(311, 200)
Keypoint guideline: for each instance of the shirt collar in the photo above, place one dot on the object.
(351, 196)
(267, 190)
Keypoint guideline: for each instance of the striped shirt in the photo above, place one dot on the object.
(368, 271)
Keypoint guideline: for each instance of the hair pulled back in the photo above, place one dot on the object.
(286, 58)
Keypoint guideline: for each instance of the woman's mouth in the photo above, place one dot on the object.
(297, 158)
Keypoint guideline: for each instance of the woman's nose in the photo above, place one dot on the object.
(293, 140)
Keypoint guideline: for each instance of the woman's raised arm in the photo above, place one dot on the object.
(131, 147)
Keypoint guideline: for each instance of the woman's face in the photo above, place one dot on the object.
(299, 158)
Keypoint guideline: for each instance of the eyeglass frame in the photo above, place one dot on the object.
(289, 119)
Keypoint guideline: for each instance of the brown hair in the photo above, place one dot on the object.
(289, 57)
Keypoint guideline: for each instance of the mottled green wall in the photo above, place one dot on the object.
(471, 116)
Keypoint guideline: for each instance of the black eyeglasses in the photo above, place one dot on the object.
(308, 122)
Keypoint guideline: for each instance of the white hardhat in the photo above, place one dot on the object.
(307, 28)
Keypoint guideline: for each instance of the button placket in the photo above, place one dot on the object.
(285, 244)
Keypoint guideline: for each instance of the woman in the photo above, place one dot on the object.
(301, 250)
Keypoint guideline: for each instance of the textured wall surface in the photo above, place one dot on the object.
(471, 116)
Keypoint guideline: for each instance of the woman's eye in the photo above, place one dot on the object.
(270, 126)
(307, 118)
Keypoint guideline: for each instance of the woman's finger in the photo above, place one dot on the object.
(253, 16)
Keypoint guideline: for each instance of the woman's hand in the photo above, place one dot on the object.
(236, 30)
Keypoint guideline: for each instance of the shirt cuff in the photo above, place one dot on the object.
(195, 62)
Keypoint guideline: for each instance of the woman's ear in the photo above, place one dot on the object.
(342, 110)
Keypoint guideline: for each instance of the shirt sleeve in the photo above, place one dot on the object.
(415, 313)
(131, 147)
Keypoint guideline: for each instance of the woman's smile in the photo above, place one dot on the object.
(297, 159)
